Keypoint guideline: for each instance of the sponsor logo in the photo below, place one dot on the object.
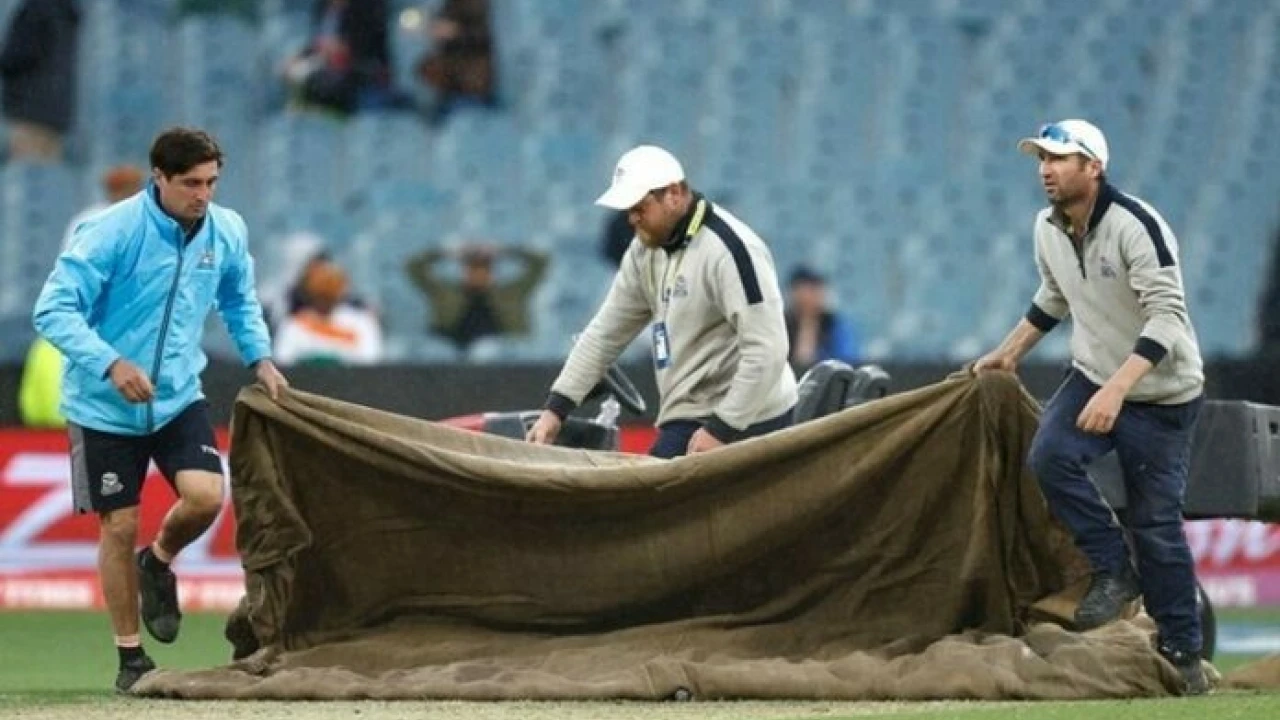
(41, 534)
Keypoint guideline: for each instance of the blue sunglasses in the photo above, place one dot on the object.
(1057, 133)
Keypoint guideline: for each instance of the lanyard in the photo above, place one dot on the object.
(695, 224)
(665, 289)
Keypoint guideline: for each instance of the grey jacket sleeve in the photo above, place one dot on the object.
(757, 316)
(1156, 278)
(621, 317)
(1049, 306)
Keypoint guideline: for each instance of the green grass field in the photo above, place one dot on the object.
(57, 665)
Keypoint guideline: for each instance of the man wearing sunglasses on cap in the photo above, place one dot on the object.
(1136, 386)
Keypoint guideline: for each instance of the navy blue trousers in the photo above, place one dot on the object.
(673, 437)
(1153, 444)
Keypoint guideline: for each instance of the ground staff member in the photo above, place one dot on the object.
(126, 305)
(1136, 385)
(705, 285)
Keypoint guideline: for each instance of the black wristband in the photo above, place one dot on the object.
(1150, 349)
(1043, 321)
(560, 405)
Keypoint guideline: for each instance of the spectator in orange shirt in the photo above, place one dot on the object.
(328, 330)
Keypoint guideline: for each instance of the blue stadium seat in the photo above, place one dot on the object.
(839, 130)
(386, 147)
(296, 166)
(36, 203)
(571, 158)
(123, 79)
(218, 68)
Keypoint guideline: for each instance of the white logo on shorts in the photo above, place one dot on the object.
(209, 449)
(111, 483)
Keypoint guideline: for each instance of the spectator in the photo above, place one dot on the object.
(815, 332)
(460, 68)
(41, 388)
(281, 293)
(118, 183)
(346, 66)
(326, 329)
(478, 305)
(1269, 312)
(38, 67)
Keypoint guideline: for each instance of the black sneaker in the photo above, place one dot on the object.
(1106, 599)
(1194, 681)
(132, 671)
(159, 590)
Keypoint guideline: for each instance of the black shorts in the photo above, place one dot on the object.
(107, 470)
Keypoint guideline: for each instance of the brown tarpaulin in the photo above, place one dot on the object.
(890, 551)
(1261, 674)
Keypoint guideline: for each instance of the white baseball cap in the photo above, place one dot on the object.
(1069, 137)
(639, 171)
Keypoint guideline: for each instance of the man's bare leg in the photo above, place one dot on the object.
(199, 500)
(117, 536)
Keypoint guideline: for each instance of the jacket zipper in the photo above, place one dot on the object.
(164, 330)
(1079, 250)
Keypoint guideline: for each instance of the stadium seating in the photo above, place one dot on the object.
(872, 139)
(36, 202)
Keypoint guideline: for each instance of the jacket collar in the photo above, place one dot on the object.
(162, 219)
(689, 225)
(1107, 194)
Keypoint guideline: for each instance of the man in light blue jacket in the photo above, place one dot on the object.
(126, 305)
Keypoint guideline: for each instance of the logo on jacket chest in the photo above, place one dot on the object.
(207, 260)
(681, 287)
(1106, 269)
(675, 289)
